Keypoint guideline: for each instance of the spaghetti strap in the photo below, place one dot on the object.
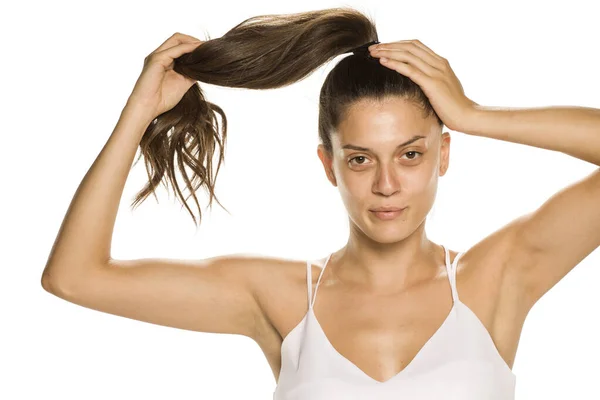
(309, 281)
(451, 268)
(313, 369)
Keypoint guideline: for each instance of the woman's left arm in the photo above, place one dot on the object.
(565, 229)
(571, 130)
(551, 240)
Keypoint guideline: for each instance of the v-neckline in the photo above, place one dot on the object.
(403, 370)
(449, 264)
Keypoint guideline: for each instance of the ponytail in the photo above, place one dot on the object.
(264, 52)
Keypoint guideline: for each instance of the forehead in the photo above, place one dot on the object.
(391, 121)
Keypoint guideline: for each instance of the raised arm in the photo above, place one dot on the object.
(213, 295)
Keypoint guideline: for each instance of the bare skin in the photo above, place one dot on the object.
(390, 278)
(349, 315)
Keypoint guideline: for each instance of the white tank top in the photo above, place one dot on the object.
(460, 361)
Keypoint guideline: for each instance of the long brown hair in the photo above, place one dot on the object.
(266, 52)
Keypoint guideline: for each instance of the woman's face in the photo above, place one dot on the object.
(371, 171)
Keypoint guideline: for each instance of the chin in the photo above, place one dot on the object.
(387, 232)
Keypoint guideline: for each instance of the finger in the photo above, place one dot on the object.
(406, 56)
(420, 50)
(420, 45)
(405, 69)
(427, 49)
(166, 57)
(174, 40)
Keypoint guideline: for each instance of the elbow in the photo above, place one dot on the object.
(49, 284)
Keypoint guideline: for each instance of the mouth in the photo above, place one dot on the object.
(387, 215)
(386, 209)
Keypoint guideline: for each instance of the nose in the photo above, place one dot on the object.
(387, 181)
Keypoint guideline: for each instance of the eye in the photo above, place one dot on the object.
(413, 152)
(356, 158)
(414, 157)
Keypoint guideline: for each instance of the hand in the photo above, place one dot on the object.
(433, 74)
(159, 88)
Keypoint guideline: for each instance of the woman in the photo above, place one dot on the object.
(398, 315)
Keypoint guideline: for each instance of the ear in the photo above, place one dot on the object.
(444, 153)
(327, 161)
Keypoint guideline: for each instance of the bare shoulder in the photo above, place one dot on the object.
(281, 288)
(490, 284)
(494, 263)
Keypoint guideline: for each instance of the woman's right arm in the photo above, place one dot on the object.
(84, 238)
(212, 295)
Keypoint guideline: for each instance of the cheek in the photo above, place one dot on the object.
(421, 190)
(353, 191)
(361, 184)
(420, 182)
(424, 191)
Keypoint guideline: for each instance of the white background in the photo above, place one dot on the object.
(67, 70)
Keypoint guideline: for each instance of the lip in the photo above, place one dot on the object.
(388, 215)
(390, 208)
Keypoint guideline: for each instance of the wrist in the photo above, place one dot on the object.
(139, 111)
(472, 119)
(135, 118)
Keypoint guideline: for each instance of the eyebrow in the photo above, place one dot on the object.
(359, 148)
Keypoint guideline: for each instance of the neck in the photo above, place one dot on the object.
(374, 266)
